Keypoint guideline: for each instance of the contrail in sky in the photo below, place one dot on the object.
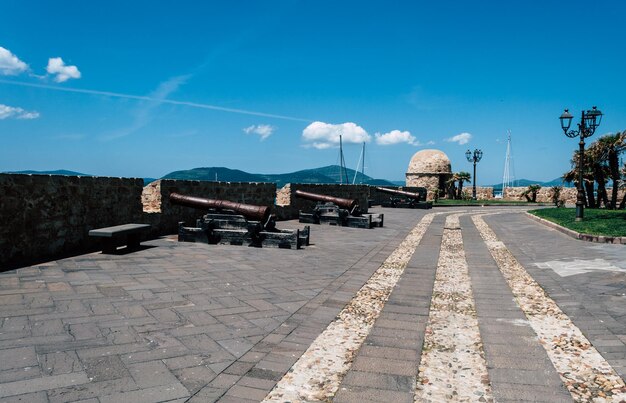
(145, 98)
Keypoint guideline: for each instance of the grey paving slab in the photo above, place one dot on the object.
(587, 280)
(179, 320)
(200, 323)
(385, 367)
(508, 340)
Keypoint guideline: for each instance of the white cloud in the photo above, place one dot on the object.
(322, 135)
(10, 65)
(144, 114)
(263, 131)
(461, 139)
(57, 66)
(28, 115)
(7, 112)
(169, 86)
(396, 137)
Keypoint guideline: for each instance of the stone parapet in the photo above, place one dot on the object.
(544, 195)
(48, 215)
(45, 216)
(164, 216)
(377, 197)
(482, 192)
(288, 206)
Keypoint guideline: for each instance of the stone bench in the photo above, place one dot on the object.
(130, 233)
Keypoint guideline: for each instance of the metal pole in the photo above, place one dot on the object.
(474, 187)
(580, 196)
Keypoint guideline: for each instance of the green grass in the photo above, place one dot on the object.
(595, 222)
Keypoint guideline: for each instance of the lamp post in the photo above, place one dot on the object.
(475, 158)
(589, 121)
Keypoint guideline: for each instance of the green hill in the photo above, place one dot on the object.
(328, 174)
(57, 172)
(526, 182)
(214, 174)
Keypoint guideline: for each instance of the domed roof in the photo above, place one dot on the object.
(429, 162)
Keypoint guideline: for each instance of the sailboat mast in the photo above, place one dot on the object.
(509, 169)
(342, 161)
(362, 163)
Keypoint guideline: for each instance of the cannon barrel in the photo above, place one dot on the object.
(258, 213)
(348, 204)
(410, 195)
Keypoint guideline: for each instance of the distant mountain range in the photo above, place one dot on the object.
(57, 172)
(328, 174)
(526, 182)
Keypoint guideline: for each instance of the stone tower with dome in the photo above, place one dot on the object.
(430, 169)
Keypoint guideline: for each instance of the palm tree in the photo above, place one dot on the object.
(622, 204)
(463, 177)
(588, 178)
(532, 191)
(611, 146)
(556, 196)
(451, 185)
(595, 157)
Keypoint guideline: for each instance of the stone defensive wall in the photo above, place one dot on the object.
(164, 216)
(544, 195)
(287, 205)
(377, 197)
(482, 192)
(49, 216)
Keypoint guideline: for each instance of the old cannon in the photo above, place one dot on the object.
(337, 211)
(227, 222)
(404, 199)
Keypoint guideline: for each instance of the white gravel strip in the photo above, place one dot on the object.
(453, 366)
(317, 374)
(584, 371)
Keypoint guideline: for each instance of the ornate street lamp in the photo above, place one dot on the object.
(475, 158)
(589, 121)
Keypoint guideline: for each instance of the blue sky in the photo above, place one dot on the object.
(144, 88)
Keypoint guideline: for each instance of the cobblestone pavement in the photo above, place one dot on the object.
(191, 322)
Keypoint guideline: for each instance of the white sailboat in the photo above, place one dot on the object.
(508, 178)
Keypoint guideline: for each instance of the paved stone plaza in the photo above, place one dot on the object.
(201, 323)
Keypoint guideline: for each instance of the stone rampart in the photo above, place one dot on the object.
(620, 194)
(45, 216)
(50, 215)
(544, 195)
(377, 197)
(482, 192)
(164, 216)
(288, 206)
